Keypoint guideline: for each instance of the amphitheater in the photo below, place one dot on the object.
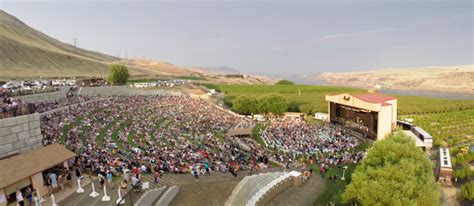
(256, 189)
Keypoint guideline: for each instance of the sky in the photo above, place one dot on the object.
(264, 36)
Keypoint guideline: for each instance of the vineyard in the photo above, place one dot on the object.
(447, 128)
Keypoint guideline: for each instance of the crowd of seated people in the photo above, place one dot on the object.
(331, 144)
(155, 133)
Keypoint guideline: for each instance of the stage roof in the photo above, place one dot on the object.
(374, 97)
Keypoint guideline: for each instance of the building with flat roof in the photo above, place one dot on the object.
(26, 169)
(374, 115)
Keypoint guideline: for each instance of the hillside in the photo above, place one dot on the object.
(445, 79)
(222, 70)
(25, 51)
(28, 53)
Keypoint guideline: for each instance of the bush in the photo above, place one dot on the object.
(272, 103)
(284, 82)
(245, 105)
(394, 172)
(118, 74)
(467, 191)
(293, 107)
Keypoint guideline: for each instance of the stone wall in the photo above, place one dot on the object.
(123, 91)
(47, 96)
(20, 134)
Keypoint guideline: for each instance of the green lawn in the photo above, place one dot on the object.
(334, 189)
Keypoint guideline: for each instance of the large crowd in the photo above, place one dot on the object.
(131, 135)
(154, 133)
(331, 144)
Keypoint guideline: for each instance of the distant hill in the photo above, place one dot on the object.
(25, 51)
(28, 53)
(222, 70)
(458, 79)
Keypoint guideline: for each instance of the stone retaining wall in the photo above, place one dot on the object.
(43, 97)
(123, 91)
(20, 134)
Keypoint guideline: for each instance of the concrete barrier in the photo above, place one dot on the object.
(45, 97)
(261, 188)
(150, 197)
(123, 91)
(168, 196)
(20, 134)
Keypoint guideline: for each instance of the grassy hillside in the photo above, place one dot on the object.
(28, 53)
(25, 51)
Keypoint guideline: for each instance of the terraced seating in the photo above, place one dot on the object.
(168, 196)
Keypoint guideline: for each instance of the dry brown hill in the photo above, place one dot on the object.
(28, 53)
(446, 79)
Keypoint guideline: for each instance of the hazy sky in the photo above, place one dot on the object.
(278, 37)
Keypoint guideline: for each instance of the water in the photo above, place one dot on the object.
(441, 95)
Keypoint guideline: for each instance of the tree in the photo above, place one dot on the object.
(284, 82)
(293, 107)
(272, 103)
(118, 74)
(467, 191)
(245, 105)
(394, 172)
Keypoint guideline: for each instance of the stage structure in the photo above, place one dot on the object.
(373, 115)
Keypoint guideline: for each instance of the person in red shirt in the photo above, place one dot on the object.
(136, 171)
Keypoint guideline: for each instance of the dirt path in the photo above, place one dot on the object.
(302, 195)
(208, 194)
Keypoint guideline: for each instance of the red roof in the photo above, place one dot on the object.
(375, 98)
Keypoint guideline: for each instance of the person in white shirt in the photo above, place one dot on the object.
(19, 198)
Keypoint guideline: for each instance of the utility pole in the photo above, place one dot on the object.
(75, 42)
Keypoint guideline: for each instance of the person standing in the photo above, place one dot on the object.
(19, 198)
(101, 180)
(78, 172)
(54, 181)
(123, 186)
(157, 176)
(109, 179)
(36, 198)
(29, 195)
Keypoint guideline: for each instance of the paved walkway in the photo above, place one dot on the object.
(166, 180)
(302, 195)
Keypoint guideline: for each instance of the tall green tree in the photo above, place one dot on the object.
(394, 172)
(118, 74)
(245, 105)
(272, 103)
(284, 82)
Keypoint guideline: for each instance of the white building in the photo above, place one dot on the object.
(321, 116)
